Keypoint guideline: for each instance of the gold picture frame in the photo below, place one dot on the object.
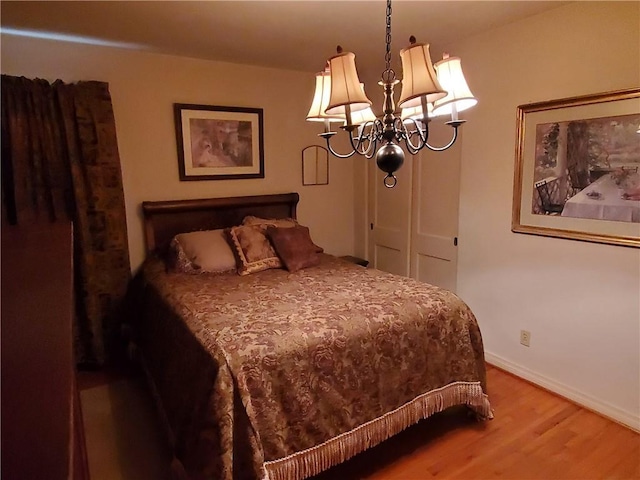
(577, 168)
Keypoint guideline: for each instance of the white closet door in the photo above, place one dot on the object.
(434, 219)
(390, 219)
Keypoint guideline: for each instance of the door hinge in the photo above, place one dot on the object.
(455, 241)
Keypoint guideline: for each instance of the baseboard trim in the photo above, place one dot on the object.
(628, 419)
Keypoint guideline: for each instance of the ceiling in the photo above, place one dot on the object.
(296, 35)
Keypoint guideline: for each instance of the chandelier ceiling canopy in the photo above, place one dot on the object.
(428, 91)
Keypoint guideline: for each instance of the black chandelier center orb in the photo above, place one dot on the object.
(389, 159)
(428, 91)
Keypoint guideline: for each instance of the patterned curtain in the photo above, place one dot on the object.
(60, 161)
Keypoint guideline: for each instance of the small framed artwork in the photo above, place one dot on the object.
(315, 165)
(577, 168)
(219, 143)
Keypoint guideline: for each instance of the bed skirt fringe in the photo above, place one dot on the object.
(317, 459)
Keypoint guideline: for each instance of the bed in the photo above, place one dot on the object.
(280, 374)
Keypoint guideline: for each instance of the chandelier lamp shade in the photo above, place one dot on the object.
(321, 101)
(419, 79)
(428, 91)
(346, 93)
(459, 97)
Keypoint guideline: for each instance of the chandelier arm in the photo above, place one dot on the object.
(358, 142)
(333, 152)
(372, 151)
(376, 134)
(407, 134)
(399, 128)
(448, 145)
(411, 148)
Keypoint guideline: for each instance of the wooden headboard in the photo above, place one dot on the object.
(165, 219)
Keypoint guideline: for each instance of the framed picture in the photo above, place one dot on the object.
(219, 143)
(577, 168)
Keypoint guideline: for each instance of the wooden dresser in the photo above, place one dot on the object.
(42, 434)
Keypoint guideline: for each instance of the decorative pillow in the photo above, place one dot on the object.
(276, 222)
(253, 249)
(205, 251)
(294, 247)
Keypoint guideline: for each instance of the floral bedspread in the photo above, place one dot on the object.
(279, 375)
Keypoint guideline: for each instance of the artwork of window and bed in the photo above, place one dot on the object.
(269, 358)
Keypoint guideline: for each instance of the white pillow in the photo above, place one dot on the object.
(206, 251)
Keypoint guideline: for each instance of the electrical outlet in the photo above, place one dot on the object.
(525, 338)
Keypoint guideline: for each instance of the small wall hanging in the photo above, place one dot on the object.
(315, 165)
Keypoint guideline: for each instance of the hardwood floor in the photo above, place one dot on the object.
(534, 435)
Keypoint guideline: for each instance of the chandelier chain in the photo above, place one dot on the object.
(388, 73)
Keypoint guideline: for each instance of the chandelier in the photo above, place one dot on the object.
(428, 91)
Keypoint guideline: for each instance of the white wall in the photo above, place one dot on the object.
(579, 300)
(144, 87)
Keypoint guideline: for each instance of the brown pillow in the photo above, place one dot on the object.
(294, 247)
(276, 222)
(253, 249)
(205, 251)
